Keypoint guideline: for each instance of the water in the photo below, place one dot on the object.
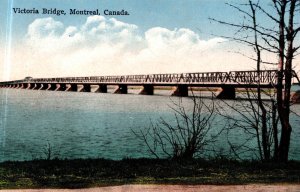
(87, 125)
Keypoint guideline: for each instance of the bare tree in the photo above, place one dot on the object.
(49, 152)
(245, 116)
(277, 39)
(287, 35)
(187, 135)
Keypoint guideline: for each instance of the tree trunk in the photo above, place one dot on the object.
(284, 143)
(275, 130)
(285, 113)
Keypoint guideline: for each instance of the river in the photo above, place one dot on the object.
(89, 125)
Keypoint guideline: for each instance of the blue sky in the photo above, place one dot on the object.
(192, 14)
(159, 36)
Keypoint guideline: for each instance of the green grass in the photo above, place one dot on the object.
(101, 172)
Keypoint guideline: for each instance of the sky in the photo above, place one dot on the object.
(158, 36)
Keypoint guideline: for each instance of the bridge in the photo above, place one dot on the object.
(227, 81)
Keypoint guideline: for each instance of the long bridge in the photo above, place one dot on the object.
(181, 82)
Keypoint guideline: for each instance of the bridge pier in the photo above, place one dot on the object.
(79, 88)
(61, 87)
(181, 91)
(71, 87)
(51, 87)
(44, 86)
(86, 88)
(295, 97)
(227, 92)
(122, 89)
(147, 90)
(25, 85)
(101, 89)
(38, 86)
(32, 86)
(68, 87)
(57, 86)
(41, 86)
(28, 86)
(20, 86)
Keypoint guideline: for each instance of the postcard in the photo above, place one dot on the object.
(106, 82)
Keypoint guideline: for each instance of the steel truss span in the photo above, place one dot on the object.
(237, 78)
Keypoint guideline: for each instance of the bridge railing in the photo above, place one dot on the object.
(209, 77)
(253, 77)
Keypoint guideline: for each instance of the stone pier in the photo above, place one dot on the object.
(86, 88)
(227, 92)
(32, 86)
(21, 86)
(147, 90)
(101, 89)
(25, 85)
(44, 86)
(38, 86)
(122, 89)
(295, 97)
(71, 87)
(51, 87)
(181, 91)
(83, 88)
(60, 87)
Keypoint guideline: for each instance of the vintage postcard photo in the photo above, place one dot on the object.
(150, 95)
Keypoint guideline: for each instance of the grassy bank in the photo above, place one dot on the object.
(101, 172)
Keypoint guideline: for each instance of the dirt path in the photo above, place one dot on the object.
(179, 188)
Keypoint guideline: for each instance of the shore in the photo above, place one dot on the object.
(90, 173)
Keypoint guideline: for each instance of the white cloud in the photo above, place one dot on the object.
(41, 28)
(103, 46)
